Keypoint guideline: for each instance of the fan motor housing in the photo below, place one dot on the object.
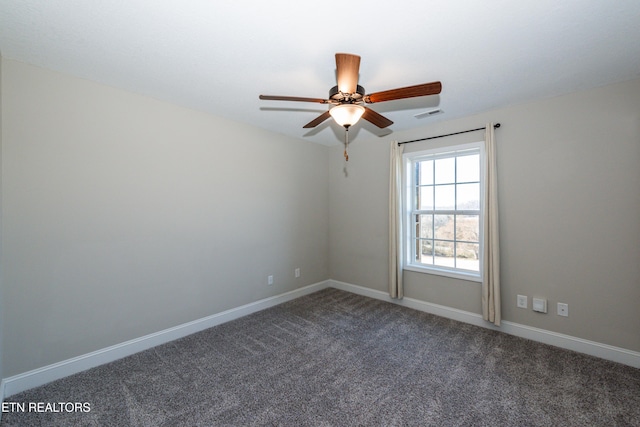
(336, 95)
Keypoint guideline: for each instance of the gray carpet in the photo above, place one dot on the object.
(338, 359)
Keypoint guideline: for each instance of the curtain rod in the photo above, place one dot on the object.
(496, 126)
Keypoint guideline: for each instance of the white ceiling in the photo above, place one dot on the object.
(218, 56)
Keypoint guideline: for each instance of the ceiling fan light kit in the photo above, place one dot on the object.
(348, 96)
(347, 114)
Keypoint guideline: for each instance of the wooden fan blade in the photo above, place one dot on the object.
(315, 122)
(347, 69)
(425, 89)
(293, 98)
(376, 118)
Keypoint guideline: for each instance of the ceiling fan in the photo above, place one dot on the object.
(347, 98)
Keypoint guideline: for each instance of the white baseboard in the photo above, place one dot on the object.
(592, 348)
(37, 377)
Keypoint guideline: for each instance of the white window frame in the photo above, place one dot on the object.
(409, 184)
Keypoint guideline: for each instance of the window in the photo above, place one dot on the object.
(443, 211)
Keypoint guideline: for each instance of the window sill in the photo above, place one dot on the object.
(471, 277)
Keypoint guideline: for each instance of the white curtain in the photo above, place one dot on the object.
(491, 264)
(395, 221)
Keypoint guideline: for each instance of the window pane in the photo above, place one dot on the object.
(425, 227)
(425, 198)
(468, 196)
(445, 197)
(443, 225)
(424, 170)
(425, 251)
(445, 170)
(443, 252)
(468, 169)
(468, 228)
(467, 256)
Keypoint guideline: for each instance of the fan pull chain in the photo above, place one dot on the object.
(346, 144)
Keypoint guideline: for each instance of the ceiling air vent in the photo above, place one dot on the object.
(428, 113)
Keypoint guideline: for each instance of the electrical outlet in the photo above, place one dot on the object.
(270, 280)
(296, 272)
(522, 301)
(539, 305)
(563, 309)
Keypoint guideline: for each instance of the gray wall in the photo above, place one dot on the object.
(569, 188)
(2, 300)
(123, 215)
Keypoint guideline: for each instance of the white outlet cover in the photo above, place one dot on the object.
(522, 301)
(563, 309)
(540, 305)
